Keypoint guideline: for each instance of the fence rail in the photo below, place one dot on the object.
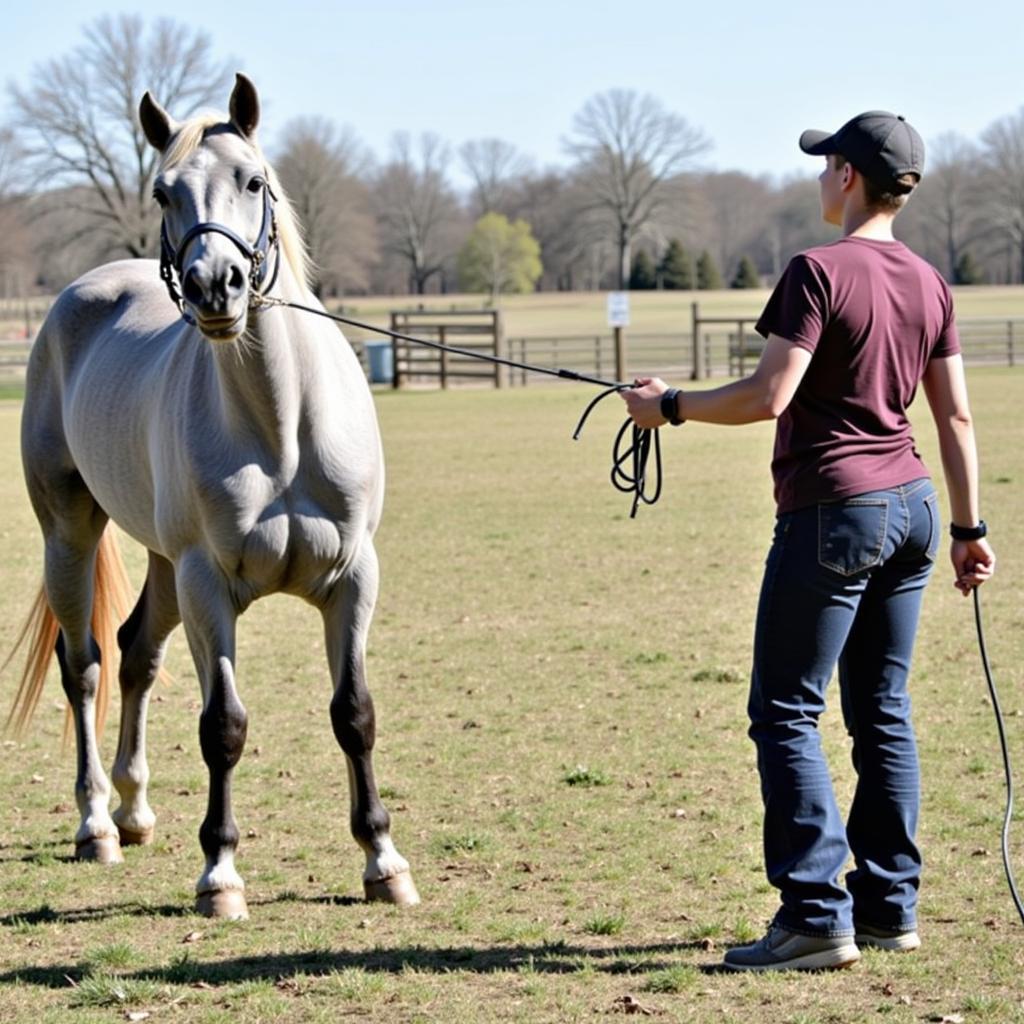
(729, 351)
(986, 341)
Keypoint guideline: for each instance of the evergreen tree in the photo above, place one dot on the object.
(708, 276)
(676, 267)
(967, 270)
(642, 277)
(746, 275)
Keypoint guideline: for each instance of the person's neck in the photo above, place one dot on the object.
(859, 222)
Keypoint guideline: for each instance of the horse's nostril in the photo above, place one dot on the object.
(191, 286)
(236, 280)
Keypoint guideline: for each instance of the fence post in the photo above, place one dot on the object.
(696, 371)
(597, 356)
(740, 328)
(441, 334)
(1009, 343)
(395, 372)
(499, 345)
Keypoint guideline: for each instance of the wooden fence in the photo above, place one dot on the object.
(728, 348)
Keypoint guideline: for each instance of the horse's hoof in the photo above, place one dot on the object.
(226, 904)
(135, 837)
(102, 849)
(399, 889)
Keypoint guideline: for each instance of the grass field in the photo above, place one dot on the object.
(561, 741)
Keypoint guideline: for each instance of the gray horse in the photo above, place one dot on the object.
(238, 442)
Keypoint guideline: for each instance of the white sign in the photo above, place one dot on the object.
(618, 309)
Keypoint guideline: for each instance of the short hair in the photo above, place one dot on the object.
(878, 197)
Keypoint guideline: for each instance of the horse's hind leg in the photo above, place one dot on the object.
(346, 621)
(70, 559)
(142, 639)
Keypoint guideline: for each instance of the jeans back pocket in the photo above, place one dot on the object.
(851, 534)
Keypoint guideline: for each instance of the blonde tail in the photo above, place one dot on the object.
(110, 607)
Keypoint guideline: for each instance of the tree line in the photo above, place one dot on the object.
(631, 209)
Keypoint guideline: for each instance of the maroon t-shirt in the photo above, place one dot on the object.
(872, 314)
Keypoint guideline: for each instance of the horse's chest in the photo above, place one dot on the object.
(291, 549)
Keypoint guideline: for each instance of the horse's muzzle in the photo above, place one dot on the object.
(217, 290)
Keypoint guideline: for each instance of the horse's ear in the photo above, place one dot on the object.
(245, 106)
(156, 122)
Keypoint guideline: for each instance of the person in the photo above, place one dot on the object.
(852, 328)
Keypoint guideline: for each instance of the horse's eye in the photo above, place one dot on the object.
(161, 198)
(255, 184)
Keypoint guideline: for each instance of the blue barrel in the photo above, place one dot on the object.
(382, 362)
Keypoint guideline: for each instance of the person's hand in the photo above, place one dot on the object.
(643, 402)
(973, 563)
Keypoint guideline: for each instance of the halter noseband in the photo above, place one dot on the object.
(258, 254)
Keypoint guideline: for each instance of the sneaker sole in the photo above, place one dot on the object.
(905, 942)
(823, 960)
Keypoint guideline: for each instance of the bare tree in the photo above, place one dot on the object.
(629, 149)
(17, 263)
(416, 208)
(1003, 152)
(324, 170)
(494, 166)
(944, 217)
(77, 120)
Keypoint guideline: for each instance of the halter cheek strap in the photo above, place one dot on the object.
(257, 254)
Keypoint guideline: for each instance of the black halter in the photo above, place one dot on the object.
(258, 254)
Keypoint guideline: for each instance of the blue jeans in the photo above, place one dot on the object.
(843, 583)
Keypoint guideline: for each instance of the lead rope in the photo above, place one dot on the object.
(630, 481)
(1006, 757)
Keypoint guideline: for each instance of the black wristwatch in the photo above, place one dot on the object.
(968, 532)
(668, 406)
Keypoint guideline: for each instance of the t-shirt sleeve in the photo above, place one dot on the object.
(948, 342)
(798, 309)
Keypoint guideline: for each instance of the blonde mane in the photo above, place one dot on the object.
(188, 137)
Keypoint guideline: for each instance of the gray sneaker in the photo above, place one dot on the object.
(887, 938)
(783, 950)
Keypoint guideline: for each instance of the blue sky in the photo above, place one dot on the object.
(753, 76)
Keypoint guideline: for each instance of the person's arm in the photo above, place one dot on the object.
(763, 395)
(945, 387)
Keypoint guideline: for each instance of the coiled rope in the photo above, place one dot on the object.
(629, 464)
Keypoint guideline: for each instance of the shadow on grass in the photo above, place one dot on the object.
(28, 853)
(76, 915)
(547, 958)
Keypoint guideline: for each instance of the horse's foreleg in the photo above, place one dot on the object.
(69, 590)
(346, 622)
(142, 639)
(209, 619)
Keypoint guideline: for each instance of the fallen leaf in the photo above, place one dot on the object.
(137, 1015)
(947, 1018)
(37, 779)
(630, 1004)
(192, 937)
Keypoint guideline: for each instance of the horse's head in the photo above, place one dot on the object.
(218, 217)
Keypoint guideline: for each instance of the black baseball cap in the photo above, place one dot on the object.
(882, 146)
